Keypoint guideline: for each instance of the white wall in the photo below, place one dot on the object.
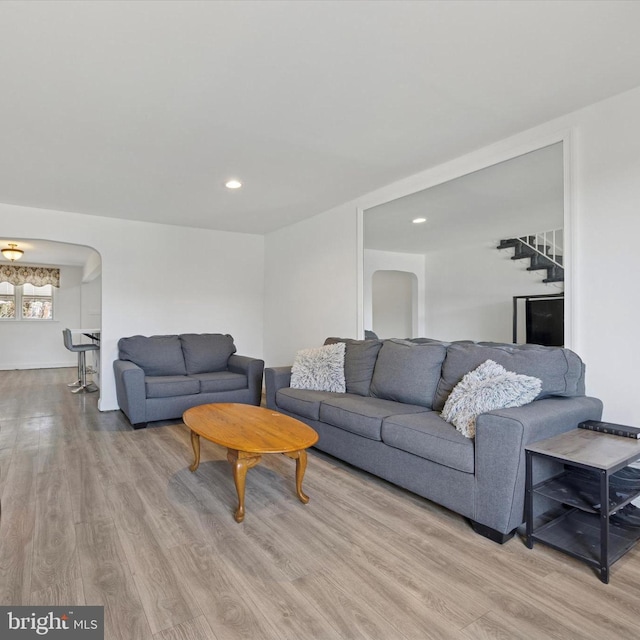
(310, 284)
(470, 292)
(214, 282)
(604, 194)
(91, 304)
(92, 267)
(607, 162)
(32, 344)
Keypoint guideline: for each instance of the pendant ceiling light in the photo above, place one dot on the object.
(12, 253)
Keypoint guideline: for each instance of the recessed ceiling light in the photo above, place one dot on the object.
(418, 220)
(233, 184)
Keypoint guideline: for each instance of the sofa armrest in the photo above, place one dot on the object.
(276, 378)
(501, 437)
(252, 368)
(130, 390)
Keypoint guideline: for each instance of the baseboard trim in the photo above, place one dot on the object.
(9, 366)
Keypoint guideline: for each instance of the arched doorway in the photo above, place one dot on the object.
(28, 343)
(394, 304)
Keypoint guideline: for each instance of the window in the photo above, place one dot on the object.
(37, 302)
(7, 300)
(26, 302)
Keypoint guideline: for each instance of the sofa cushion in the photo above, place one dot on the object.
(427, 435)
(156, 355)
(170, 386)
(361, 415)
(206, 352)
(408, 372)
(560, 370)
(303, 402)
(220, 381)
(359, 362)
(319, 369)
(487, 388)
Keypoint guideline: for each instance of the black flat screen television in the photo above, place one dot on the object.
(545, 321)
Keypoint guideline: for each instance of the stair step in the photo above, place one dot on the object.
(522, 251)
(508, 243)
(540, 262)
(554, 274)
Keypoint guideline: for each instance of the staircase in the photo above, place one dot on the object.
(543, 250)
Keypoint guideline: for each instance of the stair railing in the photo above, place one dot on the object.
(551, 243)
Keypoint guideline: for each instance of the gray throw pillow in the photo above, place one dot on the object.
(319, 369)
(487, 388)
(359, 361)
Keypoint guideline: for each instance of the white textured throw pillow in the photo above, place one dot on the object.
(320, 369)
(487, 388)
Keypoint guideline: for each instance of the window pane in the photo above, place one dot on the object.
(7, 306)
(6, 289)
(39, 308)
(30, 290)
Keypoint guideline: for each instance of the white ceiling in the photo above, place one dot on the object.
(521, 196)
(142, 110)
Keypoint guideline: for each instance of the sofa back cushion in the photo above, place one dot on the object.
(156, 355)
(206, 352)
(560, 370)
(359, 361)
(408, 372)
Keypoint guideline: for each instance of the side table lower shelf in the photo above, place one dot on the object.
(577, 534)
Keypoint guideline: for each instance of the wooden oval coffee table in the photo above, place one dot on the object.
(248, 432)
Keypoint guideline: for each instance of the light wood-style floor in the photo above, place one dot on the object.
(96, 513)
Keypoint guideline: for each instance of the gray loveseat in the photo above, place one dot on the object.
(160, 377)
(388, 421)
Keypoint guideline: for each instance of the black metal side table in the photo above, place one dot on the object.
(582, 529)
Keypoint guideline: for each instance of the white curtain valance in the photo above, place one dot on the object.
(37, 276)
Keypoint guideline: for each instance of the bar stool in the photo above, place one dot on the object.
(81, 350)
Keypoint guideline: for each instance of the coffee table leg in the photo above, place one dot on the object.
(301, 465)
(195, 443)
(240, 462)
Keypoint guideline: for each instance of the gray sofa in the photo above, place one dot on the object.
(388, 422)
(160, 377)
